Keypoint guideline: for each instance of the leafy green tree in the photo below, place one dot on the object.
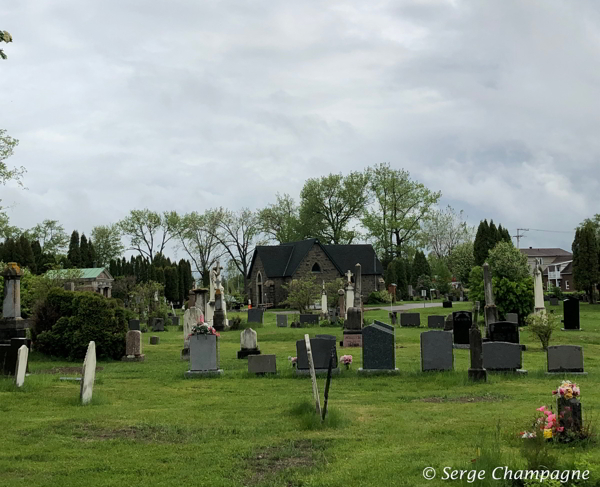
(51, 235)
(507, 261)
(444, 230)
(4, 37)
(401, 206)
(107, 243)
(329, 205)
(302, 293)
(585, 260)
(440, 274)
(461, 261)
(420, 267)
(390, 274)
(281, 221)
(27, 259)
(332, 288)
(74, 254)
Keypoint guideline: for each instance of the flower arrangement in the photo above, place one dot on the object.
(203, 329)
(293, 361)
(567, 390)
(346, 360)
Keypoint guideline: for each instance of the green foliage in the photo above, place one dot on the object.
(476, 287)
(302, 293)
(402, 276)
(461, 261)
(556, 292)
(7, 146)
(444, 230)
(329, 204)
(70, 320)
(441, 275)
(332, 288)
(171, 284)
(379, 297)
(585, 259)
(390, 274)
(51, 236)
(507, 261)
(74, 255)
(107, 243)
(542, 325)
(486, 239)
(281, 221)
(237, 323)
(4, 37)
(419, 267)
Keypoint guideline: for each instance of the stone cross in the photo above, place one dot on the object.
(349, 276)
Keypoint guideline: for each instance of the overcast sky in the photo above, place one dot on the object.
(186, 104)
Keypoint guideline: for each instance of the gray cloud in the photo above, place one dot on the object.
(186, 105)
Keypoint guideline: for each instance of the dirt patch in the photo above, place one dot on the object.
(282, 460)
(462, 399)
(144, 433)
(400, 346)
(65, 370)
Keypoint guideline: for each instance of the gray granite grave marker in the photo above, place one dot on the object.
(436, 350)
(565, 358)
(256, 315)
(502, 356)
(262, 364)
(379, 348)
(410, 319)
(435, 321)
(282, 321)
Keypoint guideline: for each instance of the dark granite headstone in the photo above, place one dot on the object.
(447, 304)
(553, 301)
(379, 347)
(309, 320)
(393, 317)
(9, 353)
(321, 351)
(476, 372)
(282, 321)
(512, 317)
(504, 331)
(569, 414)
(565, 358)
(175, 320)
(502, 356)
(158, 324)
(353, 321)
(436, 351)
(435, 321)
(571, 313)
(134, 325)
(256, 315)
(410, 319)
(461, 322)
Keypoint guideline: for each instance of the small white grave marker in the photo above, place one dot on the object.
(313, 376)
(89, 374)
(22, 355)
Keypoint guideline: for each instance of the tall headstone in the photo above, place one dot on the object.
(342, 303)
(379, 348)
(436, 351)
(353, 329)
(476, 372)
(133, 347)
(324, 306)
(490, 310)
(462, 322)
(11, 324)
(88, 375)
(571, 314)
(219, 322)
(357, 286)
(349, 292)
(248, 343)
(313, 376)
(21, 368)
(538, 288)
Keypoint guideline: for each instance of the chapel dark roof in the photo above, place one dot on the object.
(283, 260)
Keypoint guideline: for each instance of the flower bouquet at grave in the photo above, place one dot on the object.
(346, 360)
(293, 361)
(569, 411)
(203, 329)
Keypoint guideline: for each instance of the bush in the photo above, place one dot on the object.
(379, 297)
(65, 323)
(556, 292)
(237, 323)
(542, 325)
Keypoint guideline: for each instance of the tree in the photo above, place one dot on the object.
(51, 235)
(238, 233)
(4, 37)
(507, 261)
(440, 274)
(84, 251)
(480, 246)
(197, 234)
(461, 261)
(401, 206)
(172, 284)
(107, 243)
(302, 293)
(74, 254)
(390, 274)
(444, 230)
(25, 252)
(402, 277)
(420, 267)
(148, 231)
(7, 146)
(585, 260)
(281, 221)
(330, 204)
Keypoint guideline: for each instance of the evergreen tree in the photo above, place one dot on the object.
(481, 245)
(84, 252)
(160, 275)
(112, 267)
(585, 260)
(401, 278)
(74, 255)
(420, 267)
(390, 274)
(182, 291)
(26, 253)
(171, 283)
(2, 252)
(10, 250)
(92, 259)
(38, 256)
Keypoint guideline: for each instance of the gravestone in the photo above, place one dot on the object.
(447, 304)
(553, 301)
(569, 415)
(448, 323)
(9, 352)
(175, 320)
(379, 348)
(512, 317)
(410, 319)
(256, 315)
(282, 321)
(435, 321)
(248, 343)
(504, 331)
(158, 324)
(191, 316)
(571, 314)
(353, 329)
(154, 340)
(21, 368)
(321, 351)
(88, 375)
(490, 310)
(461, 323)
(134, 324)
(476, 372)
(133, 347)
(502, 356)
(11, 324)
(309, 319)
(262, 364)
(565, 358)
(204, 356)
(393, 317)
(436, 351)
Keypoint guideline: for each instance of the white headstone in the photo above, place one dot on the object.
(313, 376)
(89, 374)
(22, 355)
(248, 339)
(190, 319)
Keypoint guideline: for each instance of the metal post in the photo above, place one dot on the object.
(331, 358)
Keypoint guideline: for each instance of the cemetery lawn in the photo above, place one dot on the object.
(148, 426)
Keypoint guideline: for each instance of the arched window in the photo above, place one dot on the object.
(316, 267)
(259, 278)
(259, 289)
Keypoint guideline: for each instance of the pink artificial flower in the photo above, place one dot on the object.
(542, 409)
(560, 429)
(554, 392)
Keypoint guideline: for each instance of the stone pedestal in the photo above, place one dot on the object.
(12, 325)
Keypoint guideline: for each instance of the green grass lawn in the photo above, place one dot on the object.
(148, 426)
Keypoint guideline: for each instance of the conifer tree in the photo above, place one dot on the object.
(74, 255)
(26, 254)
(420, 267)
(585, 260)
(84, 252)
(92, 259)
(38, 256)
(401, 278)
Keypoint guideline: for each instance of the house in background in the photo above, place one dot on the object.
(557, 266)
(95, 279)
(275, 265)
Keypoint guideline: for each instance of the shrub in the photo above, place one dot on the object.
(542, 325)
(302, 293)
(556, 291)
(67, 321)
(237, 323)
(379, 297)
